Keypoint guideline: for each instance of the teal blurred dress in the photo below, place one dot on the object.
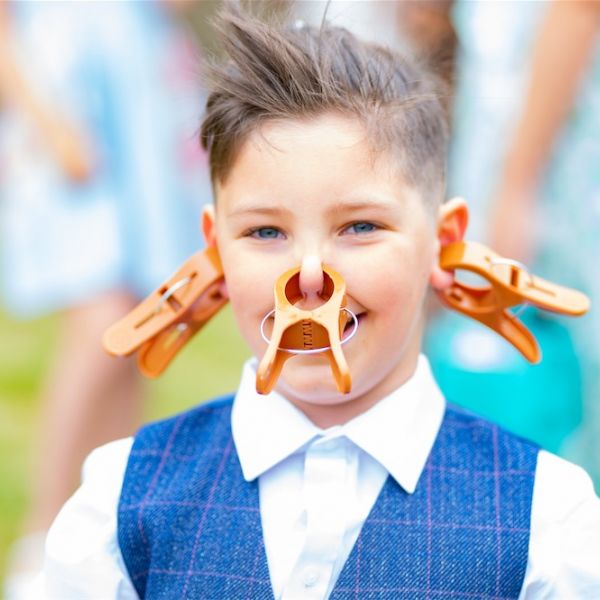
(128, 77)
(475, 367)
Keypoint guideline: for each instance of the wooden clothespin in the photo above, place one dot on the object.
(297, 331)
(511, 284)
(167, 319)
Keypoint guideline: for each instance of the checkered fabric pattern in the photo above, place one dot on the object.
(189, 525)
(463, 533)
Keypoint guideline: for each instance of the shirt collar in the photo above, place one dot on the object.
(398, 432)
(266, 429)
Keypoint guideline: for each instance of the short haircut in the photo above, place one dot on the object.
(274, 72)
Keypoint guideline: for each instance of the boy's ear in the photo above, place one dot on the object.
(453, 217)
(209, 229)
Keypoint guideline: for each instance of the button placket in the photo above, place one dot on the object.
(325, 482)
(310, 577)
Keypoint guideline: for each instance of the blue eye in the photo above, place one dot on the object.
(265, 233)
(362, 227)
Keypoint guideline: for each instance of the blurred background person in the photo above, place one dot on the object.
(523, 97)
(373, 20)
(101, 186)
(525, 153)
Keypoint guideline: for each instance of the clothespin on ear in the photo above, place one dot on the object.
(167, 319)
(511, 284)
(297, 331)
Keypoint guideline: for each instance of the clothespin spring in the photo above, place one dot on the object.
(511, 262)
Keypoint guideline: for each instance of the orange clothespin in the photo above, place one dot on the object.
(511, 284)
(297, 331)
(167, 319)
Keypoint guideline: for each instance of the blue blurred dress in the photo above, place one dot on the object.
(475, 366)
(127, 76)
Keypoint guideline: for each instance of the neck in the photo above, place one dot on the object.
(340, 412)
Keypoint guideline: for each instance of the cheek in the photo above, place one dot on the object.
(393, 282)
(250, 290)
(248, 281)
(246, 301)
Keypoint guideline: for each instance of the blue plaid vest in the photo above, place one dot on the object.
(189, 525)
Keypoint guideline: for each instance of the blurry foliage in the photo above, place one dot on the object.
(208, 367)
(25, 349)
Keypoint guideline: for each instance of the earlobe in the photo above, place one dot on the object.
(453, 218)
(209, 229)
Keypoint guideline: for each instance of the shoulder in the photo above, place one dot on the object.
(209, 410)
(564, 551)
(563, 490)
(98, 495)
(461, 419)
(484, 439)
(212, 416)
(106, 462)
(189, 438)
(82, 540)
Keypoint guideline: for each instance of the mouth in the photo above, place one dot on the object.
(348, 331)
(349, 327)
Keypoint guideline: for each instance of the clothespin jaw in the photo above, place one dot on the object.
(511, 284)
(297, 331)
(167, 319)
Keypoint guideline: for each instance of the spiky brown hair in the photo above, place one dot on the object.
(273, 71)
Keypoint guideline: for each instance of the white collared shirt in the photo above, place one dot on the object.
(316, 489)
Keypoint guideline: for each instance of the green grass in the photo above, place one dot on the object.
(208, 367)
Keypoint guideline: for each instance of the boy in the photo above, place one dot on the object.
(327, 151)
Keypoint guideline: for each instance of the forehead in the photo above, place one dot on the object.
(336, 132)
(326, 157)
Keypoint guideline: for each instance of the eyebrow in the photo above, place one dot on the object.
(336, 207)
(363, 203)
(258, 209)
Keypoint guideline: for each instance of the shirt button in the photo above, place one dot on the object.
(310, 578)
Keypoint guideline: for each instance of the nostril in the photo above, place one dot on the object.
(295, 295)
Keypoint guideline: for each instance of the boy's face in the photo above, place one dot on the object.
(306, 193)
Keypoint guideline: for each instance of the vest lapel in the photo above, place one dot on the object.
(367, 563)
(231, 561)
(463, 533)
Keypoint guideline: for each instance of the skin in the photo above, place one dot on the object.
(561, 55)
(312, 193)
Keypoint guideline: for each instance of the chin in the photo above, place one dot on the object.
(311, 382)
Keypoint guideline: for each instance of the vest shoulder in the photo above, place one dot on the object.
(477, 442)
(459, 416)
(204, 417)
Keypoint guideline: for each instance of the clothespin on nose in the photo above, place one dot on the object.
(298, 331)
(511, 284)
(166, 320)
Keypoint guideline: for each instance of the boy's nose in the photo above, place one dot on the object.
(311, 281)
